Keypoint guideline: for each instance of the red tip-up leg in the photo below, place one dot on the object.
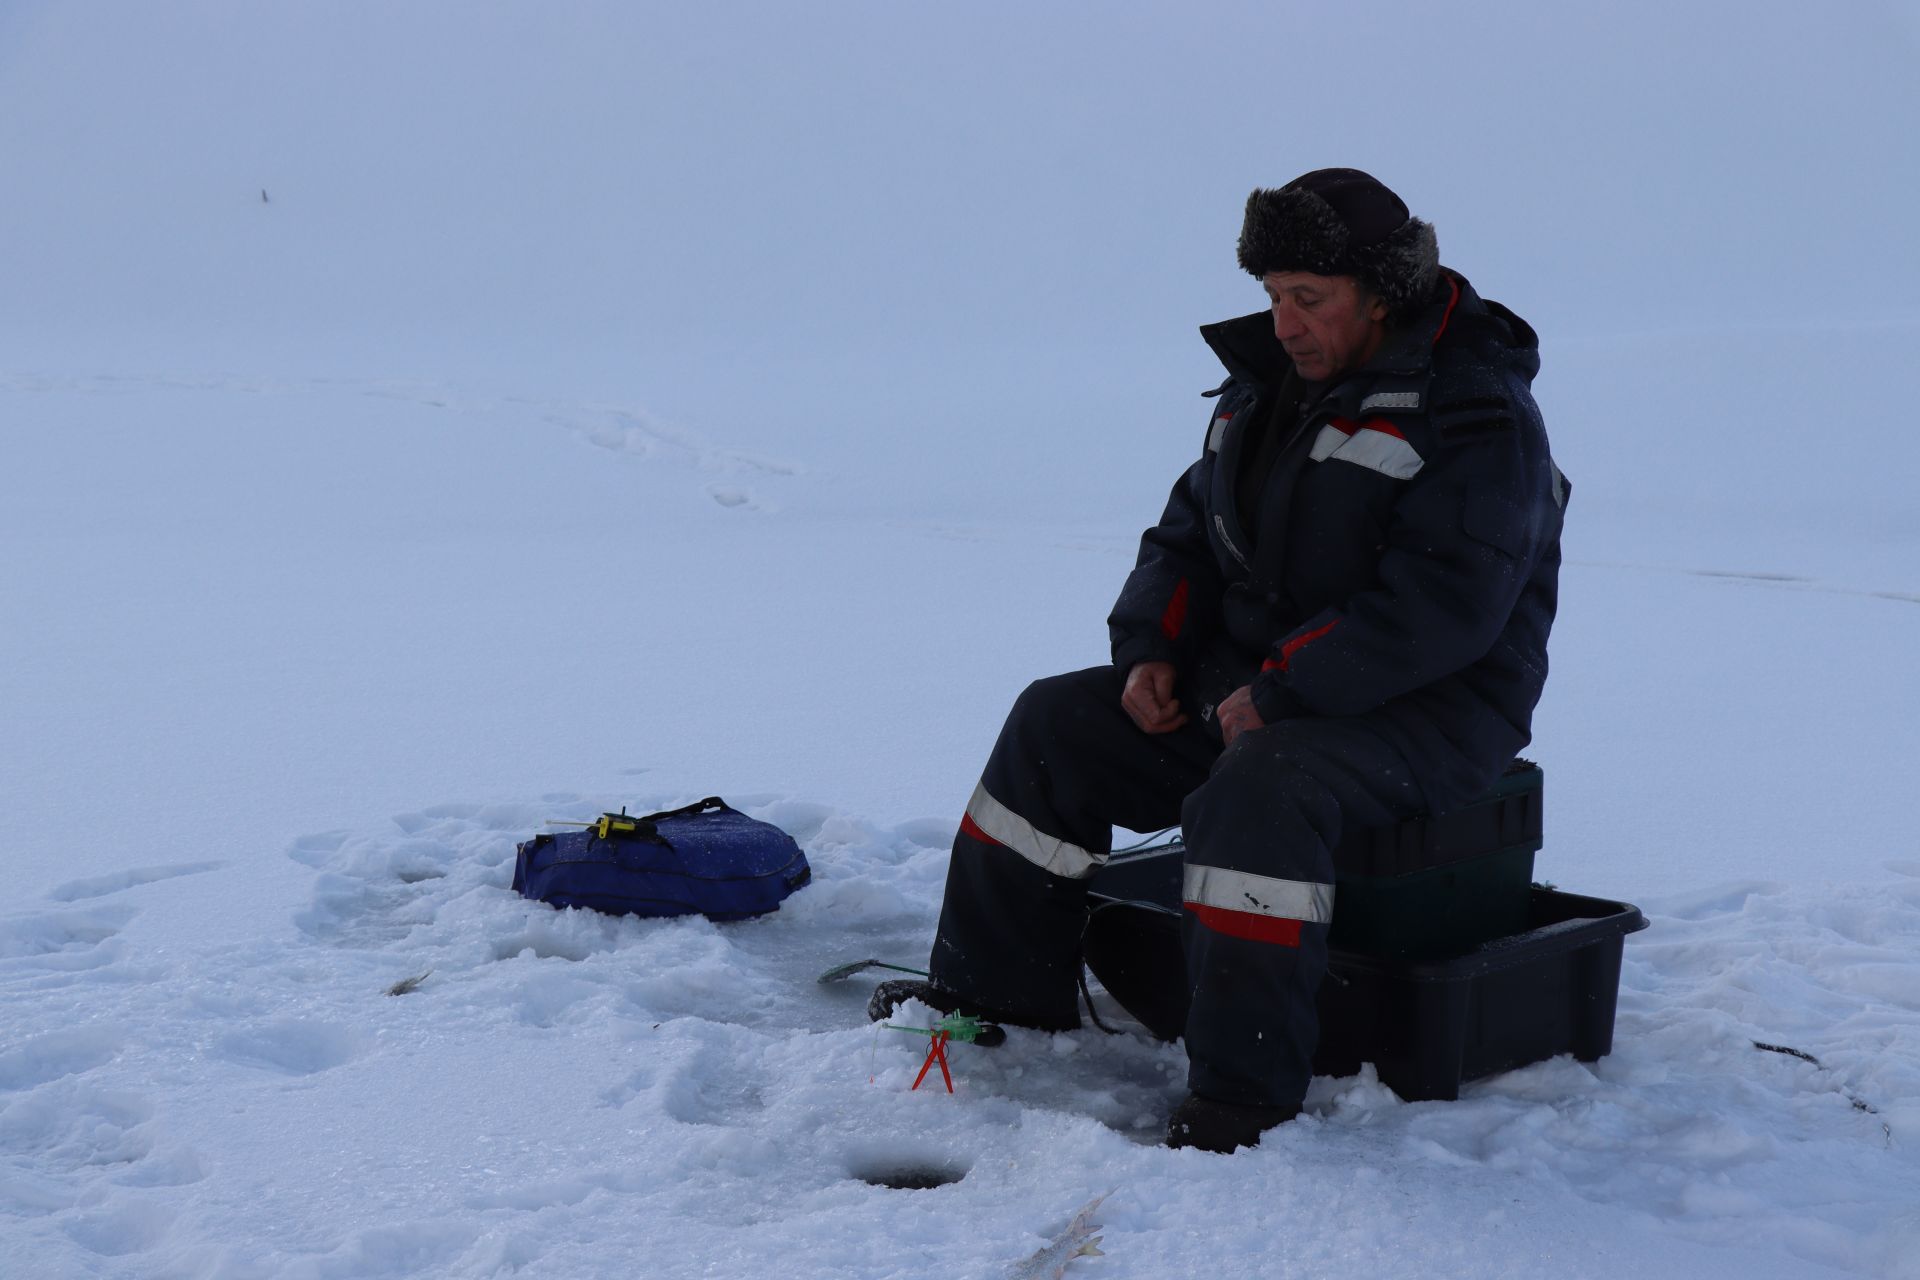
(936, 1052)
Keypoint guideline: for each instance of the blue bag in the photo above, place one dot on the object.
(706, 859)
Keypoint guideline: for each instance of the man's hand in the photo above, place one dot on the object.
(1237, 715)
(1149, 699)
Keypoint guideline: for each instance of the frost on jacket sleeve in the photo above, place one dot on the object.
(1461, 545)
(1174, 589)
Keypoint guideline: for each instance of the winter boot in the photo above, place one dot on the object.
(1222, 1127)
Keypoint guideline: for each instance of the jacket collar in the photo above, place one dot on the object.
(1248, 349)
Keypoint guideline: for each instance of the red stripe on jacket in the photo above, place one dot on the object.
(1175, 616)
(1347, 426)
(1245, 924)
(1451, 303)
(968, 827)
(1294, 646)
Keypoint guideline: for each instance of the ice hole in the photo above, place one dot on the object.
(905, 1170)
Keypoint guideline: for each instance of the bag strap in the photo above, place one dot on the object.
(648, 828)
(697, 807)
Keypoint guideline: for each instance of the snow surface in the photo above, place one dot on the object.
(421, 422)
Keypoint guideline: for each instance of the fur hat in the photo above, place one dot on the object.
(1342, 222)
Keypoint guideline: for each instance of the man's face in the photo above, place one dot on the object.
(1326, 323)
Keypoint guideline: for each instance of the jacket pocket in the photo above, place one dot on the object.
(1492, 520)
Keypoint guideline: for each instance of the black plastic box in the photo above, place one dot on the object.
(1428, 1026)
(1437, 884)
(1511, 814)
(1431, 1025)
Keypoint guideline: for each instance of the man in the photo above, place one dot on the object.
(1340, 620)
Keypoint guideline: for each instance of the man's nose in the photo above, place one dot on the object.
(1286, 321)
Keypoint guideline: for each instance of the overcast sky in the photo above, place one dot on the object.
(782, 176)
(953, 232)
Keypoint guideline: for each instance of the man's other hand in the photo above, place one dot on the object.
(1149, 699)
(1237, 714)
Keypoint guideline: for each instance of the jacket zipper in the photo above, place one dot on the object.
(1220, 527)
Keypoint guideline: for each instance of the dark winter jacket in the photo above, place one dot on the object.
(1407, 552)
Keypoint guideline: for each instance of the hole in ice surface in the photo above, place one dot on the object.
(910, 1177)
(905, 1170)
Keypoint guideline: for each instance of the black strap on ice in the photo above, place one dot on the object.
(1091, 1011)
(1859, 1103)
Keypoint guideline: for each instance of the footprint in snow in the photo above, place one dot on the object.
(72, 1126)
(131, 1226)
(708, 1084)
(51, 942)
(291, 1047)
(80, 1153)
(375, 888)
(56, 1055)
(132, 878)
(548, 999)
(316, 850)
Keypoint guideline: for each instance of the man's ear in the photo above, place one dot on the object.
(1376, 309)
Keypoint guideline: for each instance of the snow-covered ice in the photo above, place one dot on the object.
(571, 1094)
(608, 405)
